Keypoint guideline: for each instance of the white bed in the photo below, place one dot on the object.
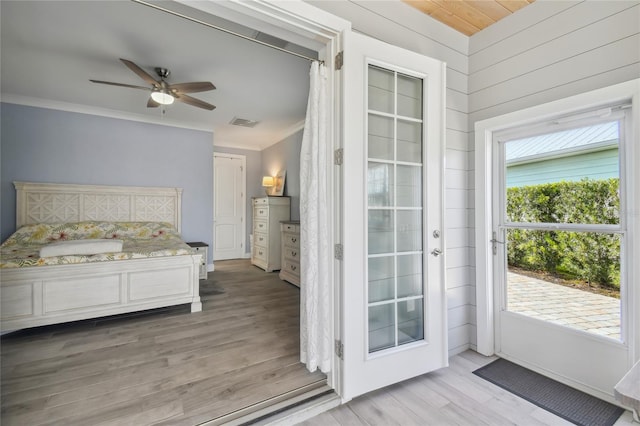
(42, 295)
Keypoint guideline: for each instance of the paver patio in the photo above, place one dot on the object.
(564, 305)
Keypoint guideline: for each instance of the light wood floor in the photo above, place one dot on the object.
(168, 366)
(450, 396)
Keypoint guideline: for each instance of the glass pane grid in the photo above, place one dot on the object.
(395, 300)
(373, 112)
(394, 186)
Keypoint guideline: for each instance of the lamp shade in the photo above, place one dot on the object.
(162, 97)
(267, 181)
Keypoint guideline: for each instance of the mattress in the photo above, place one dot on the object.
(140, 240)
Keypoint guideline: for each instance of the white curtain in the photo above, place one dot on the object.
(315, 252)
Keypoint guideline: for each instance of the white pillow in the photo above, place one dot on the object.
(81, 247)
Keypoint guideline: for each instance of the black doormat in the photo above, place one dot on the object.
(570, 404)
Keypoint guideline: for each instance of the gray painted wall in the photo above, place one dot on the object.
(44, 145)
(285, 155)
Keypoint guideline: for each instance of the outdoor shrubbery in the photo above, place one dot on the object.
(589, 256)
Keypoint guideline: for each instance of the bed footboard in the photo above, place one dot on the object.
(44, 295)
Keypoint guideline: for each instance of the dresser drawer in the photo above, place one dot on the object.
(292, 253)
(291, 240)
(287, 227)
(260, 201)
(291, 267)
(261, 212)
(260, 253)
(260, 239)
(260, 226)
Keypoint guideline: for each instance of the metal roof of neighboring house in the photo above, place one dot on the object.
(562, 143)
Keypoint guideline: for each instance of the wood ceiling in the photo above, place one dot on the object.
(468, 16)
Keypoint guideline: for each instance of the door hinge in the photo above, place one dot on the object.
(339, 348)
(338, 156)
(339, 60)
(494, 242)
(338, 251)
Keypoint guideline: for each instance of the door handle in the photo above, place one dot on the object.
(436, 252)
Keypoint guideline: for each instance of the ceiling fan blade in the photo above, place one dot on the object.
(151, 103)
(194, 102)
(110, 83)
(141, 73)
(196, 86)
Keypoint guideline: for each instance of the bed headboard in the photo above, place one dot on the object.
(53, 202)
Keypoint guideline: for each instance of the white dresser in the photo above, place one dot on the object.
(290, 237)
(268, 212)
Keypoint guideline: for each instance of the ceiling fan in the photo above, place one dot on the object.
(163, 93)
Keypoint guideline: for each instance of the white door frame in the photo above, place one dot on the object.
(484, 131)
(243, 184)
(308, 26)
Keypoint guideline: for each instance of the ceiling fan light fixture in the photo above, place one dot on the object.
(162, 97)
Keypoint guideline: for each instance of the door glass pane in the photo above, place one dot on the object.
(409, 230)
(564, 277)
(381, 278)
(557, 274)
(409, 186)
(409, 141)
(380, 184)
(410, 324)
(409, 96)
(380, 137)
(382, 327)
(381, 90)
(410, 275)
(572, 176)
(381, 231)
(394, 197)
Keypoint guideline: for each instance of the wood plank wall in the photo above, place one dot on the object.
(398, 23)
(548, 51)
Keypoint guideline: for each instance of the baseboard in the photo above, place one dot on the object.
(459, 349)
(247, 256)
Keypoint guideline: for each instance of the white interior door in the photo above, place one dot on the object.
(228, 206)
(393, 310)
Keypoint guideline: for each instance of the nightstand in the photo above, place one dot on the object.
(201, 248)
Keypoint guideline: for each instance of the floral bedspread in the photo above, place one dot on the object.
(140, 240)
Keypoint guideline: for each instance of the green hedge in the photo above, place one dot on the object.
(588, 256)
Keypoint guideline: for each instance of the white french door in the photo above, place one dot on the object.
(393, 294)
(228, 206)
(560, 221)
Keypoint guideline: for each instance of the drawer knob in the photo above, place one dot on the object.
(294, 253)
(293, 267)
(261, 211)
(261, 238)
(259, 252)
(294, 239)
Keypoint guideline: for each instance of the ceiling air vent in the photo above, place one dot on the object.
(243, 122)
